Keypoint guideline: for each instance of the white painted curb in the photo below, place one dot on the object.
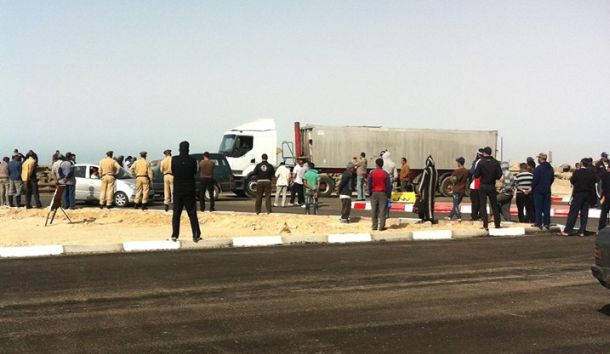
(257, 241)
(136, 246)
(409, 220)
(345, 238)
(432, 235)
(509, 231)
(595, 213)
(32, 251)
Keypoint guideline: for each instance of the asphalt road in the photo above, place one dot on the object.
(528, 294)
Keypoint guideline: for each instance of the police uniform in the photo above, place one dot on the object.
(143, 173)
(168, 180)
(108, 170)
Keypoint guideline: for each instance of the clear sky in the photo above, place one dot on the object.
(88, 76)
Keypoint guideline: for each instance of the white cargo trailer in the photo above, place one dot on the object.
(332, 147)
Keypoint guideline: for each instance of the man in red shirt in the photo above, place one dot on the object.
(380, 188)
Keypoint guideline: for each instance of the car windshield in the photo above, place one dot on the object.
(124, 174)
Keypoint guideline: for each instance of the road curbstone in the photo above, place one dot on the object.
(257, 241)
(31, 251)
(349, 238)
(85, 249)
(205, 243)
(388, 237)
(464, 234)
(432, 235)
(142, 246)
(292, 240)
(507, 231)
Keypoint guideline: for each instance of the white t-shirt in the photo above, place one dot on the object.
(298, 171)
(283, 175)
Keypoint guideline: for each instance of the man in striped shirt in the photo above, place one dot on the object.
(525, 199)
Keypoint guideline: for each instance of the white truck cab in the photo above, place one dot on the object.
(244, 145)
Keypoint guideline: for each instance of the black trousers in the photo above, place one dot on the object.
(603, 218)
(475, 202)
(579, 206)
(297, 191)
(263, 188)
(185, 201)
(486, 192)
(346, 208)
(206, 185)
(31, 190)
(525, 207)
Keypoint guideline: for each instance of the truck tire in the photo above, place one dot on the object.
(250, 186)
(446, 188)
(327, 186)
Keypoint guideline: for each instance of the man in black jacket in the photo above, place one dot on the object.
(475, 200)
(583, 181)
(263, 173)
(489, 171)
(184, 168)
(345, 192)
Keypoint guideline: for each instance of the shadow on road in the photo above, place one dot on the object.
(605, 310)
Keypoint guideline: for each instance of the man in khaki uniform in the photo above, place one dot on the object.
(28, 171)
(168, 178)
(108, 171)
(143, 173)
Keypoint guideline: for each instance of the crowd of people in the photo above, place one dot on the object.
(18, 178)
(530, 187)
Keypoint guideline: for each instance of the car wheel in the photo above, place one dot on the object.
(120, 199)
(216, 193)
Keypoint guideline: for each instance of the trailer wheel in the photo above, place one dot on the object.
(327, 186)
(250, 186)
(446, 188)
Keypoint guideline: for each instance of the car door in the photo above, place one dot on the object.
(94, 183)
(222, 174)
(82, 182)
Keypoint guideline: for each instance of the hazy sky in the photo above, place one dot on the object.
(89, 76)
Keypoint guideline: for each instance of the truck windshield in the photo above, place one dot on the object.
(236, 145)
(227, 144)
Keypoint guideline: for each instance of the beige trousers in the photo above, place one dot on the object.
(142, 189)
(168, 189)
(107, 190)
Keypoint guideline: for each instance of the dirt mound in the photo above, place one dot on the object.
(94, 226)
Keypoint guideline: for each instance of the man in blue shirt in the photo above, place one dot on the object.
(15, 188)
(544, 176)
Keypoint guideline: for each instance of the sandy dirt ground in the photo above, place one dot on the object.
(562, 185)
(21, 227)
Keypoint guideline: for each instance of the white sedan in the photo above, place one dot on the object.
(88, 185)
